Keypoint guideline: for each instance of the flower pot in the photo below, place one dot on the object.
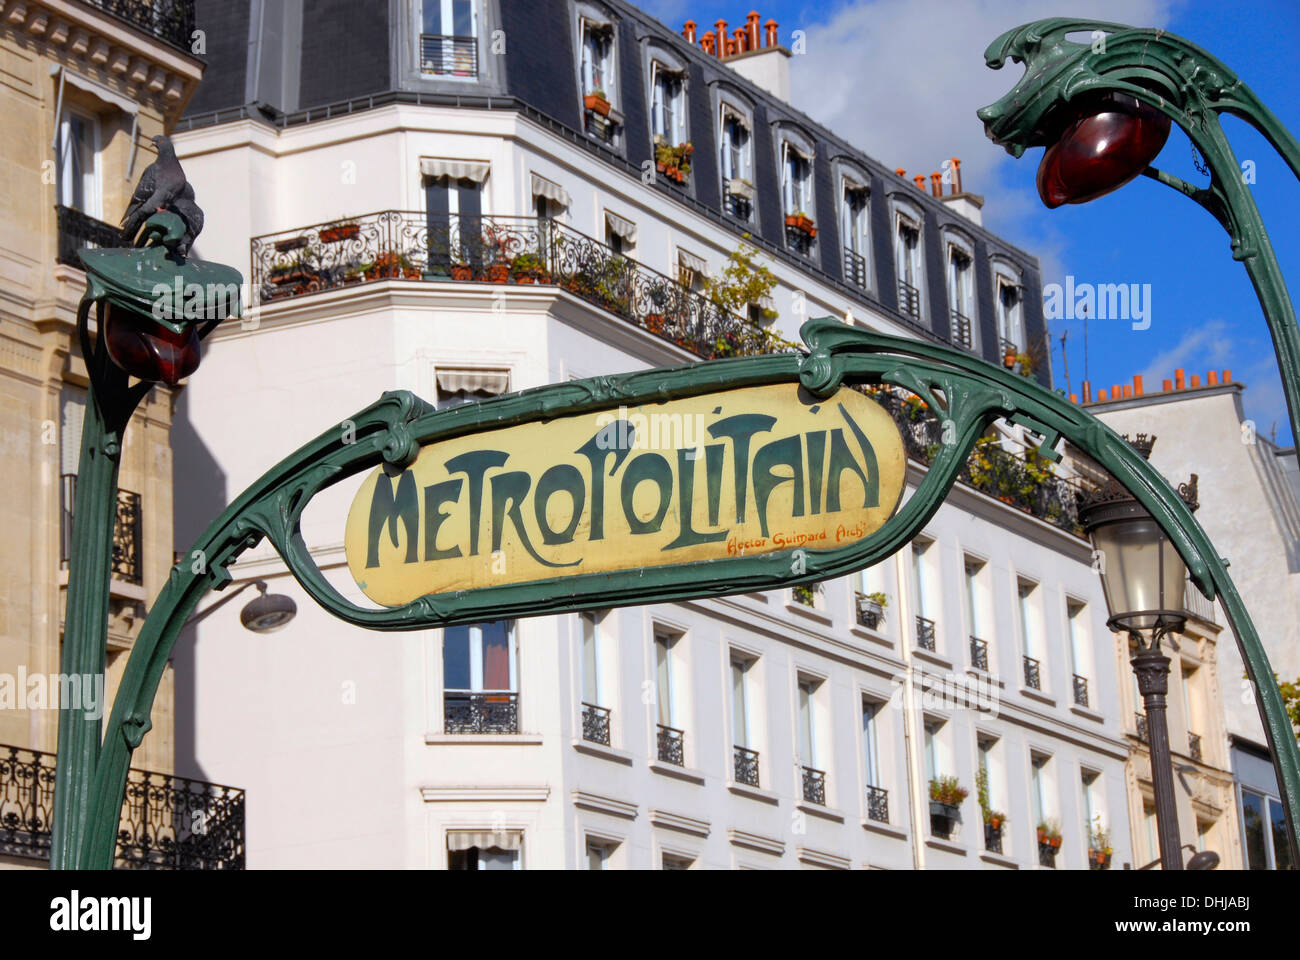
(525, 278)
(337, 234)
(596, 104)
(498, 273)
(944, 818)
(462, 272)
(660, 166)
(995, 824)
(1097, 860)
(654, 322)
(412, 273)
(801, 222)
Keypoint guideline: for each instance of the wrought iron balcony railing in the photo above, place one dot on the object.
(1033, 674)
(416, 246)
(963, 331)
(1143, 731)
(671, 745)
(855, 268)
(167, 822)
(925, 634)
(742, 208)
(992, 838)
(800, 241)
(1194, 746)
(909, 300)
(878, 804)
(169, 20)
(814, 786)
(494, 713)
(128, 528)
(1194, 603)
(870, 612)
(449, 56)
(78, 230)
(979, 654)
(746, 765)
(1080, 690)
(595, 723)
(1017, 481)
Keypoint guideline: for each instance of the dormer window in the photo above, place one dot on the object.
(854, 210)
(796, 197)
(598, 86)
(1010, 315)
(907, 265)
(668, 106)
(737, 165)
(961, 296)
(448, 38)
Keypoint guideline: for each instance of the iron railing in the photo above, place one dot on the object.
(1080, 690)
(877, 804)
(408, 245)
(909, 300)
(798, 240)
(1020, 482)
(740, 207)
(1194, 603)
(866, 609)
(925, 634)
(167, 822)
(450, 56)
(1009, 346)
(77, 230)
(600, 126)
(168, 20)
(595, 723)
(855, 268)
(745, 765)
(128, 531)
(993, 838)
(814, 786)
(1194, 746)
(1033, 674)
(963, 333)
(1143, 731)
(494, 713)
(672, 746)
(979, 654)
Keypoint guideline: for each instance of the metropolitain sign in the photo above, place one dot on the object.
(703, 478)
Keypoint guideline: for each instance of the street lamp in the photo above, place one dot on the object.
(265, 613)
(1142, 576)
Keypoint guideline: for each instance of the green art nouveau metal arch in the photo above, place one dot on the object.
(966, 392)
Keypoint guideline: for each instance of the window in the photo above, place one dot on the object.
(1264, 824)
(673, 862)
(691, 271)
(78, 167)
(1152, 836)
(925, 632)
(1093, 818)
(453, 214)
(484, 850)
(454, 386)
(447, 38)
(907, 265)
(854, 213)
(745, 757)
(664, 677)
(599, 853)
(933, 755)
(590, 659)
(973, 605)
(870, 741)
(807, 741)
(796, 197)
(1029, 623)
(737, 165)
(990, 775)
(1080, 655)
(598, 59)
(668, 106)
(1010, 328)
(961, 296)
(479, 678)
(1039, 787)
(620, 236)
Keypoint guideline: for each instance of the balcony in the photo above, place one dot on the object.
(745, 765)
(798, 240)
(490, 713)
(1033, 674)
(128, 527)
(1080, 691)
(167, 823)
(671, 746)
(397, 245)
(595, 724)
(1195, 604)
(855, 269)
(909, 300)
(1143, 731)
(993, 837)
(171, 21)
(870, 612)
(877, 804)
(979, 654)
(448, 56)
(1024, 482)
(963, 330)
(814, 786)
(925, 634)
(77, 230)
(740, 207)
(1194, 746)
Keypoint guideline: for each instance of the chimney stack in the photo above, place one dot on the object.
(771, 40)
(936, 184)
(956, 175)
(688, 31)
(1167, 385)
(1101, 396)
(706, 43)
(1196, 381)
(1212, 378)
(1180, 379)
(752, 28)
(1227, 376)
(721, 30)
(1137, 385)
(1087, 392)
(919, 180)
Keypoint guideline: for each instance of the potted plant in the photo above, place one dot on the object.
(596, 102)
(673, 162)
(1049, 836)
(529, 268)
(339, 231)
(802, 222)
(1099, 848)
(498, 273)
(871, 608)
(994, 820)
(462, 272)
(946, 796)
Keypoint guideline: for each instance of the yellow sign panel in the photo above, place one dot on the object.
(728, 474)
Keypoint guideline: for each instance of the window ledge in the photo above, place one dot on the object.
(812, 613)
(602, 751)
(866, 633)
(753, 793)
(875, 826)
(934, 843)
(985, 676)
(817, 810)
(676, 772)
(483, 739)
(930, 657)
(999, 860)
(1087, 713)
(1038, 695)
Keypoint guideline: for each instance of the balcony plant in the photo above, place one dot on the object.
(1099, 848)
(529, 268)
(339, 231)
(674, 162)
(596, 102)
(993, 819)
(946, 796)
(805, 594)
(740, 290)
(801, 222)
(1049, 834)
(462, 272)
(871, 607)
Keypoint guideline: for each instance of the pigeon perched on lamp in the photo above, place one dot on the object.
(162, 187)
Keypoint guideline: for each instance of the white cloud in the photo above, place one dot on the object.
(1205, 346)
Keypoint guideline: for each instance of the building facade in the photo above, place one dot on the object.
(465, 199)
(83, 88)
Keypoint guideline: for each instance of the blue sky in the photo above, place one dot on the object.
(903, 78)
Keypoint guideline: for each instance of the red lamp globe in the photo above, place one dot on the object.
(148, 350)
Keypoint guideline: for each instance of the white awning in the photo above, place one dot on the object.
(97, 89)
(435, 167)
(741, 188)
(729, 111)
(620, 227)
(551, 191)
(689, 261)
(458, 840)
(491, 382)
(855, 185)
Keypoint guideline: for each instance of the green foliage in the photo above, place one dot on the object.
(1290, 691)
(948, 790)
(879, 597)
(1099, 837)
(744, 281)
(1050, 829)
